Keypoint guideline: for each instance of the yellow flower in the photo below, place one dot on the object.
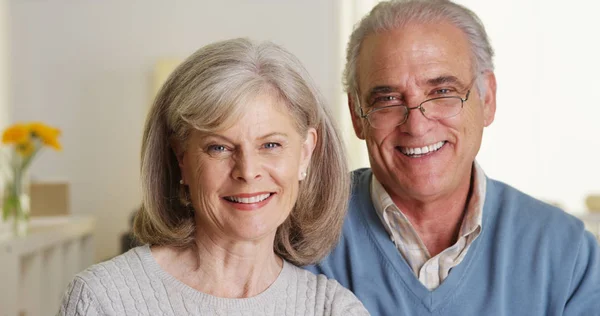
(25, 149)
(16, 134)
(48, 135)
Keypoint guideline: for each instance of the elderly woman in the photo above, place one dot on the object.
(244, 177)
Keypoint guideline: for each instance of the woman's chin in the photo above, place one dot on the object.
(244, 230)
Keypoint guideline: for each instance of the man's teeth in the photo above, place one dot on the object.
(422, 150)
(249, 200)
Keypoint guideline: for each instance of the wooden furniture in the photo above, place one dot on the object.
(36, 269)
(49, 198)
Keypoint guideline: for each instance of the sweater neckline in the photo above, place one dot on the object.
(436, 298)
(263, 299)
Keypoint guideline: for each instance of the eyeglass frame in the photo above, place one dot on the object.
(420, 106)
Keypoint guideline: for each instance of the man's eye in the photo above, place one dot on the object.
(442, 91)
(386, 100)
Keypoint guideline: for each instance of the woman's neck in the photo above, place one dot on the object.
(223, 268)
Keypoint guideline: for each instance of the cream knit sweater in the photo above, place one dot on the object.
(134, 284)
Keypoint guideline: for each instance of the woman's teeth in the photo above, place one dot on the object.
(419, 151)
(248, 200)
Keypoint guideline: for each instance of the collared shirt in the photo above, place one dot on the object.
(430, 271)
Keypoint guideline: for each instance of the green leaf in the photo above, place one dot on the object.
(10, 206)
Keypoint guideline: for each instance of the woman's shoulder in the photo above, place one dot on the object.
(102, 284)
(131, 264)
(315, 282)
(337, 299)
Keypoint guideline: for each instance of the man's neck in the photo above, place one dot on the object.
(438, 221)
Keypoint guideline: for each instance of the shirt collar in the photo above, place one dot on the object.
(473, 215)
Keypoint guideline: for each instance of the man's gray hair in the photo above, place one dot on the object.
(394, 14)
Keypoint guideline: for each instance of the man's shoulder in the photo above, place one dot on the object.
(527, 211)
(361, 180)
(360, 175)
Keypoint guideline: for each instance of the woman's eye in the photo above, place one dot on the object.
(271, 145)
(216, 148)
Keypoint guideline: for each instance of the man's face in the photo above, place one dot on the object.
(410, 65)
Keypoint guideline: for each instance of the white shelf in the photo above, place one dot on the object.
(591, 221)
(36, 269)
(589, 216)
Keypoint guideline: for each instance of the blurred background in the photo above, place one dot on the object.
(91, 68)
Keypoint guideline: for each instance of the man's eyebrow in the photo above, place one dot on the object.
(376, 90)
(444, 80)
(379, 89)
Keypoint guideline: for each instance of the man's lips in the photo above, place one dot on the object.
(424, 150)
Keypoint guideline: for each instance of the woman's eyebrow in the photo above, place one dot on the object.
(273, 134)
(209, 135)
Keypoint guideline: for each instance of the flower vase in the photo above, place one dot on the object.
(25, 140)
(5, 225)
(16, 204)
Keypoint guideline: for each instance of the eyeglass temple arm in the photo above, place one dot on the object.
(467, 96)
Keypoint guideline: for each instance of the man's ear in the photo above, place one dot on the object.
(357, 122)
(489, 100)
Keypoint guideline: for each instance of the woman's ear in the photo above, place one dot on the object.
(178, 150)
(307, 150)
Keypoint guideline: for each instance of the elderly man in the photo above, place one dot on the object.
(427, 232)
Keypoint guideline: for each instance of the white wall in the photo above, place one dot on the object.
(4, 108)
(85, 66)
(546, 136)
(4, 71)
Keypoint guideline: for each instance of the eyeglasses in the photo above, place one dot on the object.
(397, 114)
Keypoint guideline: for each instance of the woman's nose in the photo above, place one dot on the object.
(247, 167)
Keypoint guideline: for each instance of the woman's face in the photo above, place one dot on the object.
(243, 181)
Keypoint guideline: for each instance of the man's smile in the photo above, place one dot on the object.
(415, 152)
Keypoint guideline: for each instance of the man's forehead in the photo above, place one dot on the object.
(449, 80)
(419, 52)
(396, 77)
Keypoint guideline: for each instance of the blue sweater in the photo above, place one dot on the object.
(530, 259)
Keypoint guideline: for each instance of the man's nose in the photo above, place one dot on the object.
(416, 123)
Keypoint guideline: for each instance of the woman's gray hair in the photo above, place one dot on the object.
(394, 14)
(207, 92)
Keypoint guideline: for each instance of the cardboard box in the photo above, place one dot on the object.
(49, 199)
